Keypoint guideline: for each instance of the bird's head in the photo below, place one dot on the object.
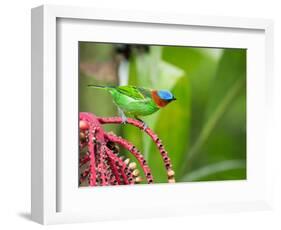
(163, 97)
(166, 95)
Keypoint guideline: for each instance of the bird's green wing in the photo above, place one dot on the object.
(145, 92)
(134, 92)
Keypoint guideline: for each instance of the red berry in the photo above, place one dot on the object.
(83, 125)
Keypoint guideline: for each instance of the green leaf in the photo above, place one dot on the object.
(231, 71)
(199, 65)
(219, 139)
(215, 117)
(215, 169)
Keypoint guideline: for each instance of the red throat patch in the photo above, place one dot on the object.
(158, 101)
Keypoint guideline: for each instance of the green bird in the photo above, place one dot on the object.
(137, 101)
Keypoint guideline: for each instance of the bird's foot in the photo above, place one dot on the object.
(124, 120)
(144, 127)
(123, 116)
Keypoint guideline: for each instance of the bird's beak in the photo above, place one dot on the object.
(174, 99)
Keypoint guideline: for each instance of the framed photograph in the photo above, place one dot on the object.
(137, 114)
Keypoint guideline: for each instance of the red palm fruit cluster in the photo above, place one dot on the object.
(100, 163)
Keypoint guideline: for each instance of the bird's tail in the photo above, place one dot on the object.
(101, 87)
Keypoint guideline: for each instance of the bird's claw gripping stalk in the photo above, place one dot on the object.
(122, 115)
(144, 124)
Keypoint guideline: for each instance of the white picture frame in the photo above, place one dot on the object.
(55, 196)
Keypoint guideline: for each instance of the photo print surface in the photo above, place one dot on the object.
(161, 114)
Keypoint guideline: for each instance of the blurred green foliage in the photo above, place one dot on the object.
(204, 131)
